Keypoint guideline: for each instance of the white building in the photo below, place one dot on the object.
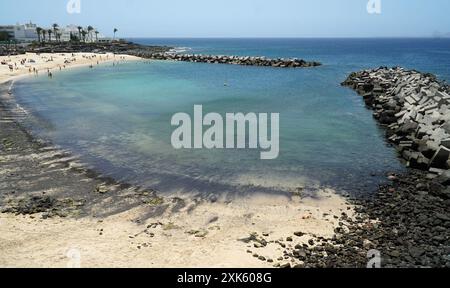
(67, 31)
(8, 29)
(28, 33)
(21, 33)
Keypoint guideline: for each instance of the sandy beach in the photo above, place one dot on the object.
(29, 63)
(116, 228)
(209, 235)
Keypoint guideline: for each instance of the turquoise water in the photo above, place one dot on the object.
(117, 119)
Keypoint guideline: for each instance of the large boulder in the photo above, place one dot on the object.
(446, 127)
(387, 117)
(446, 143)
(417, 160)
(408, 128)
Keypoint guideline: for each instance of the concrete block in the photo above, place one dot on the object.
(441, 157)
(446, 143)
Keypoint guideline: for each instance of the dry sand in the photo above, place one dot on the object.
(53, 62)
(206, 236)
(198, 233)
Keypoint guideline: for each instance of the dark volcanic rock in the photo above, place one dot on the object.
(43, 204)
(221, 59)
(407, 227)
(75, 47)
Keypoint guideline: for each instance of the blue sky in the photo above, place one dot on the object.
(239, 18)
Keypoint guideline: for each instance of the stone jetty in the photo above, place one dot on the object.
(221, 59)
(415, 108)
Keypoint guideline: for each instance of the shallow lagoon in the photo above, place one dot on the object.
(117, 118)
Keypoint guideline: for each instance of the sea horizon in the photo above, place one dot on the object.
(293, 37)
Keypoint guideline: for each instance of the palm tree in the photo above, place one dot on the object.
(115, 31)
(59, 34)
(38, 31)
(96, 35)
(56, 33)
(84, 33)
(89, 30)
(80, 29)
(55, 30)
(50, 31)
(43, 34)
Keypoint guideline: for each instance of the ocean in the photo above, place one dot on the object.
(117, 119)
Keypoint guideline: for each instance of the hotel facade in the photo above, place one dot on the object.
(28, 33)
(21, 32)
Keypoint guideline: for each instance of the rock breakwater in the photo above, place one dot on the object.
(221, 59)
(415, 108)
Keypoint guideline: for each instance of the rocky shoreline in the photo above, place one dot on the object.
(406, 223)
(410, 223)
